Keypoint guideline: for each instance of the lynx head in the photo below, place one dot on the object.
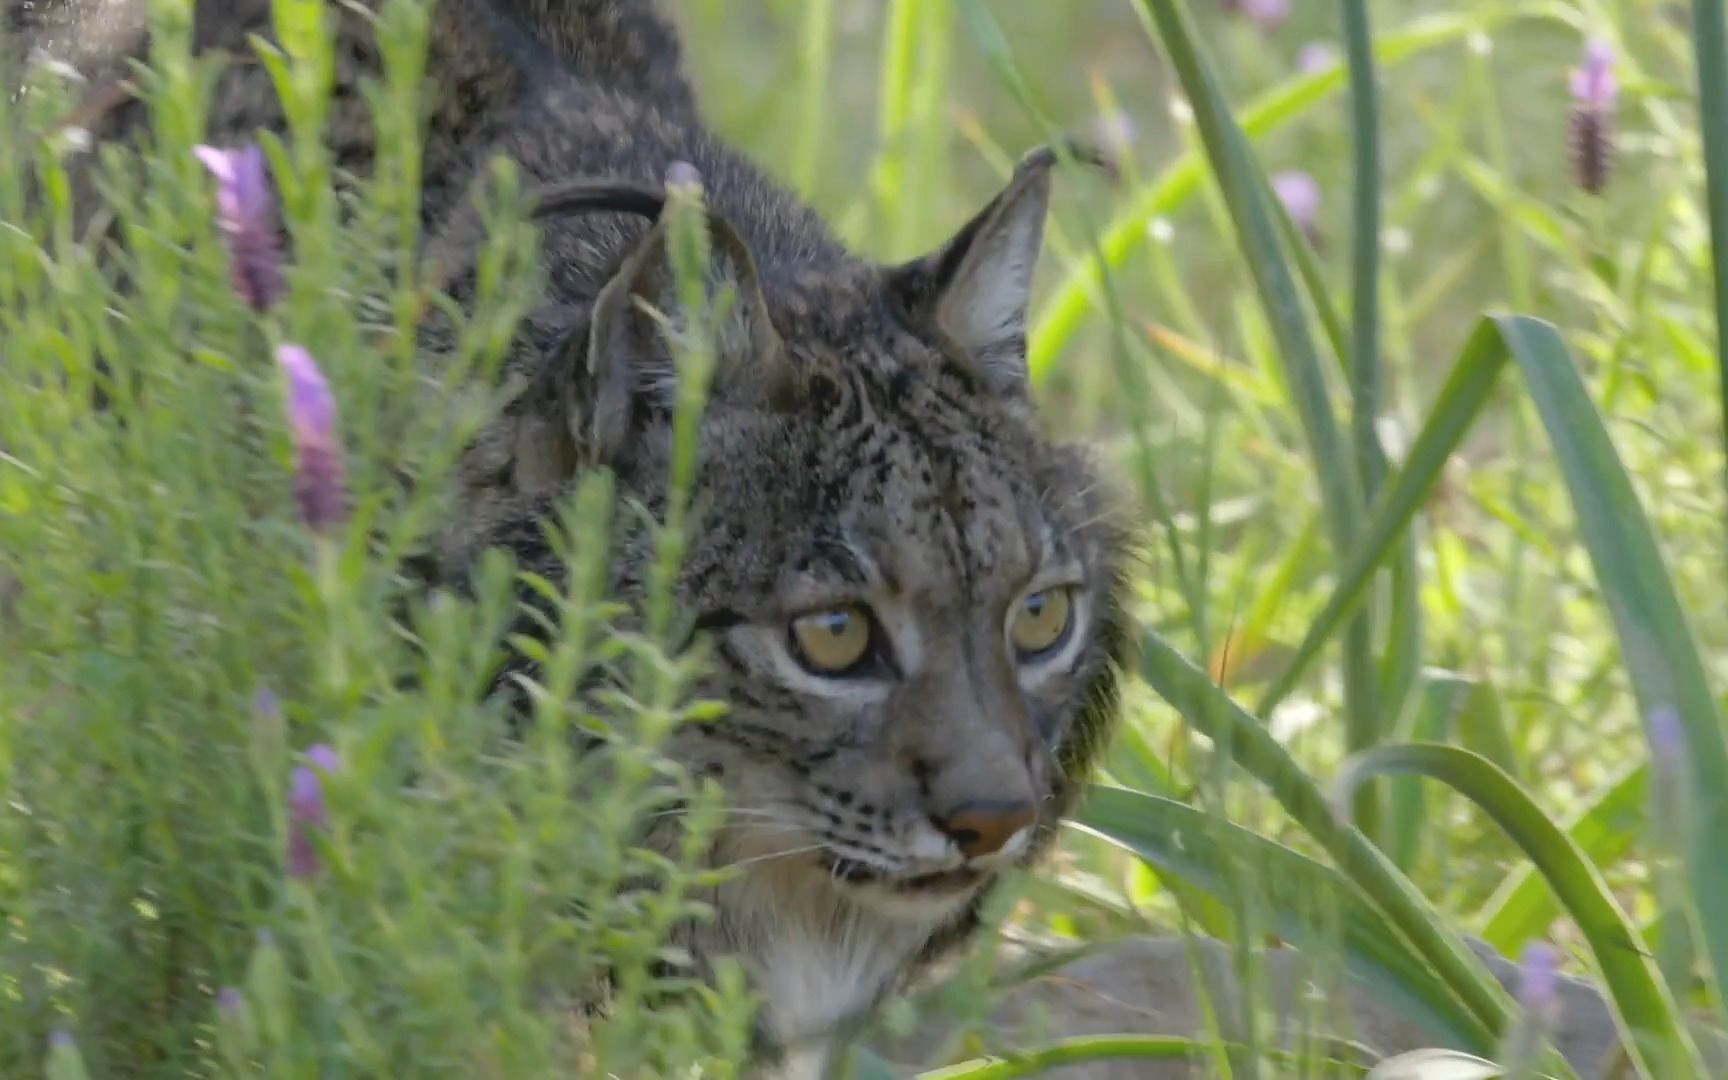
(910, 593)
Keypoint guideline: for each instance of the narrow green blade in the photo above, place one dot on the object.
(1648, 1017)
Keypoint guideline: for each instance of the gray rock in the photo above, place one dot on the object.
(1148, 986)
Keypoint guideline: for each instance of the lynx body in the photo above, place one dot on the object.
(912, 594)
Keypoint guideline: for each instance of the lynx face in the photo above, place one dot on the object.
(910, 592)
(911, 595)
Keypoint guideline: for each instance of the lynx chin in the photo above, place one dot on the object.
(913, 598)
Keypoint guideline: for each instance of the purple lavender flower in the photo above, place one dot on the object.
(683, 175)
(1316, 56)
(1266, 14)
(312, 418)
(229, 1001)
(1670, 784)
(64, 1062)
(1594, 94)
(246, 215)
(1539, 983)
(1300, 194)
(1667, 740)
(307, 813)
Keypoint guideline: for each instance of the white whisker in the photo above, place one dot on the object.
(786, 854)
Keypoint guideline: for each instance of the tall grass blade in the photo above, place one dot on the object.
(1249, 743)
(1439, 696)
(1710, 49)
(1309, 903)
(1244, 191)
(1648, 1017)
(1365, 375)
(1656, 644)
(1607, 828)
(1081, 1049)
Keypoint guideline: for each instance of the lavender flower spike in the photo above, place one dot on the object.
(307, 812)
(1594, 94)
(246, 216)
(1315, 56)
(229, 1002)
(1539, 983)
(1300, 194)
(1667, 740)
(1266, 14)
(318, 469)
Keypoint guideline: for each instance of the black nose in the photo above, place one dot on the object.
(982, 826)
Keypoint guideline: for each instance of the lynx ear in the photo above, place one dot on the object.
(975, 289)
(631, 375)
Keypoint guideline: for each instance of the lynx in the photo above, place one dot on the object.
(911, 594)
(913, 597)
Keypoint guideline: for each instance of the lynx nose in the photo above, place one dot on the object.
(983, 826)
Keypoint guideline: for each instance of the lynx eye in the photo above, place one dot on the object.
(1041, 621)
(837, 641)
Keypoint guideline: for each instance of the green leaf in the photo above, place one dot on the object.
(1657, 646)
(1710, 52)
(1072, 1052)
(1365, 373)
(1309, 903)
(1438, 699)
(1647, 1015)
(1084, 1048)
(1481, 726)
(1248, 742)
(1607, 828)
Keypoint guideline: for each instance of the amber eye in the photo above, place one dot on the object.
(1041, 621)
(832, 642)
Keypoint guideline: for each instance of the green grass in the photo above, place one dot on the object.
(1451, 473)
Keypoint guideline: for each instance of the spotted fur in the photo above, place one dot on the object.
(870, 440)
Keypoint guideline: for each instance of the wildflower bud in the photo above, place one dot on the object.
(682, 176)
(1266, 14)
(1538, 994)
(246, 216)
(307, 813)
(1670, 809)
(64, 1061)
(235, 1031)
(1539, 984)
(1667, 741)
(229, 1002)
(1594, 93)
(1300, 194)
(312, 417)
(1315, 56)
